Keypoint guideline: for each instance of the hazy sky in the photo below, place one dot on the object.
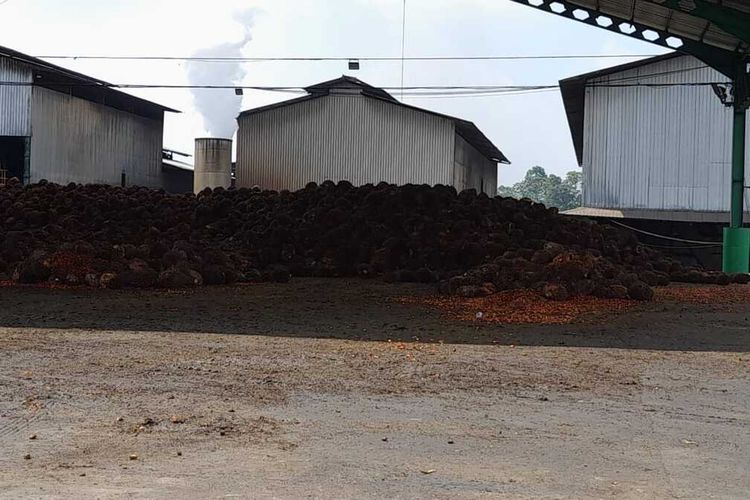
(529, 129)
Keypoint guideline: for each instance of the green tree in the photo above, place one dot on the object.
(551, 190)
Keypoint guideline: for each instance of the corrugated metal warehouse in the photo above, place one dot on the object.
(661, 153)
(63, 126)
(345, 129)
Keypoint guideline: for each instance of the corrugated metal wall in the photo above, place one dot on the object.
(343, 137)
(663, 148)
(15, 101)
(473, 170)
(75, 140)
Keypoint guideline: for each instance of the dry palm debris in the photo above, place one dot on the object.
(734, 294)
(70, 263)
(520, 307)
(47, 285)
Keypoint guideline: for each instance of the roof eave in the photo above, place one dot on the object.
(476, 139)
(73, 78)
(281, 104)
(573, 92)
(491, 152)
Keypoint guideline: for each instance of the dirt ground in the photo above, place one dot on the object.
(337, 389)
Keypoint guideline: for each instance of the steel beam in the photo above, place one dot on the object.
(733, 21)
(722, 60)
(738, 167)
(736, 236)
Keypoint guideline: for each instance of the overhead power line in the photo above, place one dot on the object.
(668, 238)
(464, 96)
(445, 88)
(403, 48)
(423, 92)
(658, 85)
(660, 73)
(395, 59)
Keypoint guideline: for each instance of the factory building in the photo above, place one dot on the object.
(345, 129)
(62, 126)
(177, 173)
(653, 145)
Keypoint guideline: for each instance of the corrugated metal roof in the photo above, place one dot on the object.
(724, 24)
(60, 79)
(277, 105)
(349, 81)
(168, 160)
(715, 31)
(177, 164)
(468, 130)
(704, 21)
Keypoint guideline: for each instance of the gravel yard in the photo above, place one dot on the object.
(344, 389)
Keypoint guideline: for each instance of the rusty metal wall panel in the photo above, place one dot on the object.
(472, 170)
(75, 140)
(343, 137)
(15, 101)
(658, 148)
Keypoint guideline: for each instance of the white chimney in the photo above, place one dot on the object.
(213, 164)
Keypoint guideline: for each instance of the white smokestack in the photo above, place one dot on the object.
(220, 107)
(213, 164)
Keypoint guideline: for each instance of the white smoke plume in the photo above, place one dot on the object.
(220, 107)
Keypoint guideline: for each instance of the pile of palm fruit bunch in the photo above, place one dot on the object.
(468, 244)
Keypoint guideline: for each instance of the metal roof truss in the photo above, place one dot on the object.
(716, 33)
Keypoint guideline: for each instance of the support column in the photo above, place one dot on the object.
(26, 177)
(738, 168)
(736, 237)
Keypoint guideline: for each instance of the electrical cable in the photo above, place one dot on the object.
(447, 89)
(467, 96)
(479, 92)
(316, 59)
(694, 247)
(668, 238)
(434, 92)
(657, 85)
(661, 73)
(403, 48)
